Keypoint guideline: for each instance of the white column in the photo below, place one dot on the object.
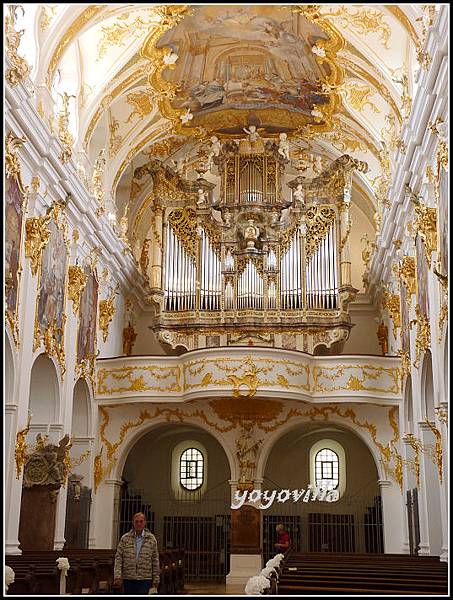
(18, 421)
(430, 505)
(393, 514)
(103, 514)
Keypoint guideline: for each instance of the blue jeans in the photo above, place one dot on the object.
(136, 586)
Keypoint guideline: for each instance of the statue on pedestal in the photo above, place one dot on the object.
(251, 234)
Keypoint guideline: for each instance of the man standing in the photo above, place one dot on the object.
(137, 559)
(284, 541)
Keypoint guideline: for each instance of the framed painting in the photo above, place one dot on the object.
(50, 315)
(87, 332)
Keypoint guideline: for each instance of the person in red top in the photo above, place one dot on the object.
(284, 541)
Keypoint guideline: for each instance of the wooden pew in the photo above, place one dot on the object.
(358, 574)
(91, 572)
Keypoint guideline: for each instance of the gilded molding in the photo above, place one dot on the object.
(392, 302)
(436, 451)
(20, 451)
(423, 339)
(76, 284)
(13, 144)
(417, 446)
(425, 223)
(19, 69)
(37, 238)
(69, 35)
(106, 312)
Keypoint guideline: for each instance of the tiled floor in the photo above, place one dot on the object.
(212, 589)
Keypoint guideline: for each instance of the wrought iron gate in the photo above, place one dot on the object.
(413, 520)
(357, 527)
(77, 524)
(198, 525)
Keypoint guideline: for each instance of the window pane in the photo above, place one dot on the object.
(191, 469)
(326, 469)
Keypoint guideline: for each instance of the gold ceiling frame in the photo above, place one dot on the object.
(331, 47)
(166, 90)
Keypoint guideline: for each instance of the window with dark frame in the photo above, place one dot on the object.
(191, 469)
(327, 469)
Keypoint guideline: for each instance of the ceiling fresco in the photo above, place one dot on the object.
(247, 65)
(146, 81)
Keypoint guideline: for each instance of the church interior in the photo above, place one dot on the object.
(226, 295)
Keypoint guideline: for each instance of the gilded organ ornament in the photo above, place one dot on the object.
(250, 247)
(19, 68)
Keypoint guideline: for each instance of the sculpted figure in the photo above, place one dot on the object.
(283, 146)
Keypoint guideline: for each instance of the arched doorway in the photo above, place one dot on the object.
(78, 500)
(305, 455)
(178, 475)
(44, 404)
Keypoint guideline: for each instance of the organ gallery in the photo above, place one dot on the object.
(226, 297)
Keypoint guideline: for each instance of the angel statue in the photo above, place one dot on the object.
(252, 133)
(283, 146)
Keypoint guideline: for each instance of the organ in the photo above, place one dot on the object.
(266, 263)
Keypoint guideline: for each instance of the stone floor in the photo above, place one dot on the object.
(200, 588)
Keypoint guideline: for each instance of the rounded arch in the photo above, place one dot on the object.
(427, 388)
(81, 414)
(137, 435)
(408, 406)
(275, 436)
(44, 399)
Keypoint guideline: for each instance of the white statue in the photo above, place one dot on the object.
(251, 233)
(187, 116)
(298, 195)
(216, 146)
(283, 146)
(201, 196)
(252, 133)
(317, 166)
(227, 219)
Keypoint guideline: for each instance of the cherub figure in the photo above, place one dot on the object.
(216, 146)
(201, 196)
(283, 146)
(252, 133)
(298, 195)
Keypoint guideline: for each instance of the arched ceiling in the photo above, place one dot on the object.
(158, 80)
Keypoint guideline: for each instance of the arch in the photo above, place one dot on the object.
(427, 388)
(274, 437)
(138, 434)
(408, 406)
(44, 399)
(81, 421)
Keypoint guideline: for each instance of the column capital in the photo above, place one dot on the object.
(383, 483)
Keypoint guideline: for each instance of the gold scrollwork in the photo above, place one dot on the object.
(423, 339)
(13, 143)
(425, 223)
(37, 238)
(392, 303)
(76, 284)
(20, 452)
(106, 313)
(417, 446)
(184, 224)
(19, 67)
(437, 451)
(407, 273)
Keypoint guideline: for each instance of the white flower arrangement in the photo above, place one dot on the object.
(267, 572)
(256, 585)
(318, 50)
(9, 576)
(63, 564)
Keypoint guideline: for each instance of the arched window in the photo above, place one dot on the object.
(327, 469)
(191, 469)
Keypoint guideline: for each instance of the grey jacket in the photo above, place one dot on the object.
(147, 565)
